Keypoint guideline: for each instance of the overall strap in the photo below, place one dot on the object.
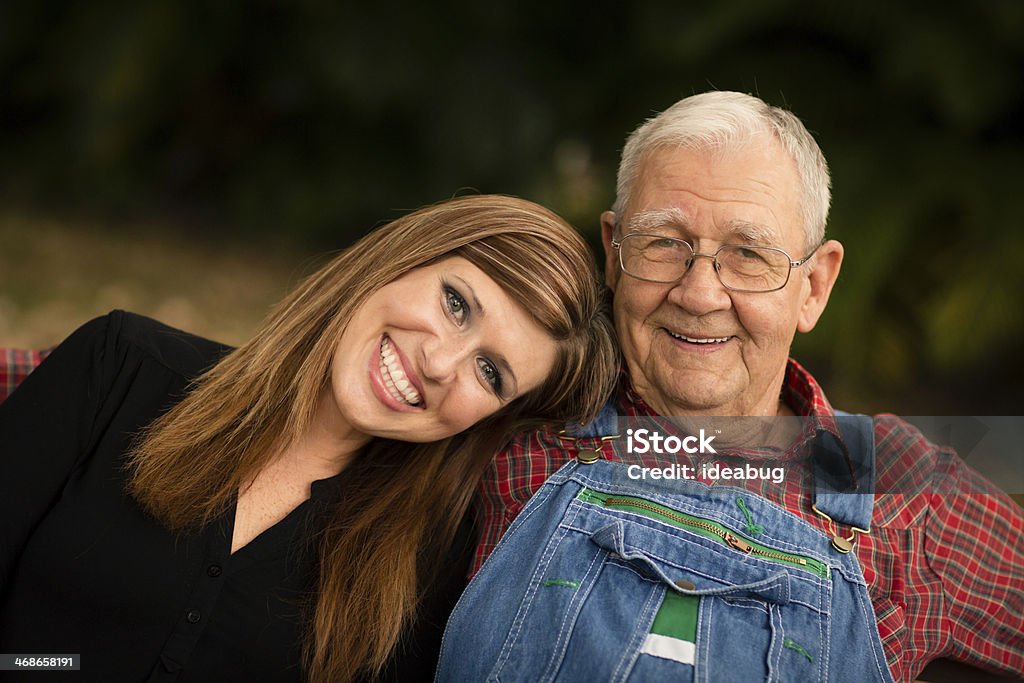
(844, 479)
(605, 424)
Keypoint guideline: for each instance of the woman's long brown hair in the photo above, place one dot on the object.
(402, 501)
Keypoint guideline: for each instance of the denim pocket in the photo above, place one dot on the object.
(618, 596)
(707, 629)
(755, 619)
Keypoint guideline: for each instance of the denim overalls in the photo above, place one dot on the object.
(605, 578)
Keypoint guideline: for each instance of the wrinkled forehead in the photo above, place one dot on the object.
(748, 193)
(675, 222)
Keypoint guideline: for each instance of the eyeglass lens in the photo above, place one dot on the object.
(741, 267)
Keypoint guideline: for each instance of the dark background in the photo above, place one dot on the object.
(297, 126)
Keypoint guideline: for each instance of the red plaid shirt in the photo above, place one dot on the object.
(944, 561)
(15, 365)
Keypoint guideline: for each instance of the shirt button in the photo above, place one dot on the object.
(193, 616)
(213, 571)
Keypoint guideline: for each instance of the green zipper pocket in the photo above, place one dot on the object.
(704, 527)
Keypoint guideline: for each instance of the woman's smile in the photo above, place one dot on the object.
(400, 383)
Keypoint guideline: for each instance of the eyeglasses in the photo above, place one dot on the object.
(740, 267)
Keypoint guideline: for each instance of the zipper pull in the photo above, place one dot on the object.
(738, 543)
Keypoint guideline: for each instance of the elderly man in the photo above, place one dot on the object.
(716, 257)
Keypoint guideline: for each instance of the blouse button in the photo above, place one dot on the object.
(193, 616)
(213, 571)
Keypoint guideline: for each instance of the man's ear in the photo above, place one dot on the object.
(611, 258)
(825, 270)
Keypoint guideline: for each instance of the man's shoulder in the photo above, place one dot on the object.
(901, 445)
(537, 449)
(520, 468)
(893, 427)
(914, 473)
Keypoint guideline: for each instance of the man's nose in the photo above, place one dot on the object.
(698, 290)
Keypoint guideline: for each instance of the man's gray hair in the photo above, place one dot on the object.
(723, 120)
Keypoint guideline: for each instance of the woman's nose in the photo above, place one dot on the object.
(442, 358)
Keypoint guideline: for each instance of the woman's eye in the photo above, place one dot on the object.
(490, 374)
(456, 304)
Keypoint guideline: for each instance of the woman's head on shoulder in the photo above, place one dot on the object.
(472, 307)
(435, 351)
(482, 310)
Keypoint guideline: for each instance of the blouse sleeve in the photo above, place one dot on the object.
(45, 427)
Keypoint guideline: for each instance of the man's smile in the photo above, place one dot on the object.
(699, 340)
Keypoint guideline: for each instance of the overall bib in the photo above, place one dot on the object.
(605, 578)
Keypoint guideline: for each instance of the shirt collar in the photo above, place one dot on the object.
(800, 391)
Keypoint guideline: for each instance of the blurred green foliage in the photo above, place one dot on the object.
(311, 121)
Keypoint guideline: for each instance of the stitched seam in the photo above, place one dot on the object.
(697, 509)
(694, 507)
(525, 605)
(569, 619)
(825, 632)
(662, 529)
(771, 581)
(752, 529)
(632, 652)
(625, 564)
(705, 606)
(739, 602)
(872, 629)
(460, 605)
(774, 659)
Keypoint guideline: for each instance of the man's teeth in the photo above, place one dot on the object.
(717, 340)
(394, 376)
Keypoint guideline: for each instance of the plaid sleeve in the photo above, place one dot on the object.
(945, 559)
(974, 542)
(15, 365)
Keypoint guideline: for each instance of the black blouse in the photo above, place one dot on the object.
(83, 570)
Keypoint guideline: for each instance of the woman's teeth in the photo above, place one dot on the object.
(394, 376)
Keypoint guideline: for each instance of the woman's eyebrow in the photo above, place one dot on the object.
(472, 295)
(499, 359)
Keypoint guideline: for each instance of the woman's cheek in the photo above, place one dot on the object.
(463, 410)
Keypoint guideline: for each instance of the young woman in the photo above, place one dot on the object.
(296, 508)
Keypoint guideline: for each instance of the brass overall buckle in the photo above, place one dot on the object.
(843, 545)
